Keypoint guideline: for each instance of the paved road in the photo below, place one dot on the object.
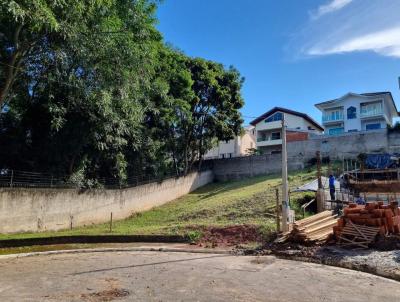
(161, 276)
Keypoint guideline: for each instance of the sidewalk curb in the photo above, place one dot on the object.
(128, 249)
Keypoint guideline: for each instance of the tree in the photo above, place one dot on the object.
(199, 101)
(92, 92)
(77, 105)
(25, 23)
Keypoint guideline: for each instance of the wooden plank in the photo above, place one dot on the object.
(352, 242)
(313, 218)
(322, 221)
(358, 230)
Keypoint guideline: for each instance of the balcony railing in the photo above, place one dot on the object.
(332, 117)
(366, 112)
(265, 139)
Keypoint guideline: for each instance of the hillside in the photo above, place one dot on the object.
(244, 202)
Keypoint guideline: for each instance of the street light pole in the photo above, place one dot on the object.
(285, 190)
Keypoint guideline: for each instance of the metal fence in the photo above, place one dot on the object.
(25, 179)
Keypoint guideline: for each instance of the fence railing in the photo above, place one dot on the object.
(15, 178)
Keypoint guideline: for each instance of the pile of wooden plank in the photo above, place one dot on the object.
(374, 214)
(316, 228)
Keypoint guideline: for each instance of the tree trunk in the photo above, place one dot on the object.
(11, 67)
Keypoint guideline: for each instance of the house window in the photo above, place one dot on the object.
(275, 135)
(373, 126)
(351, 113)
(273, 118)
(333, 115)
(371, 109)
(336, 131)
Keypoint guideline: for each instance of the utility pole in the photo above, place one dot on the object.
(285, 191)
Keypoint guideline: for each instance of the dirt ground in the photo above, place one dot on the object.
(161, 276)
(383, 262)
(229, 236)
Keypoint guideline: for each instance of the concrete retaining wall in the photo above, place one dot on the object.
(54, 209)
(244, 167)
(348, 145)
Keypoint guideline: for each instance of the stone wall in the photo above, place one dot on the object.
(24, 209)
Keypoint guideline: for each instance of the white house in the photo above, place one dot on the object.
(268, 128)
(358, 112)
(239, 146)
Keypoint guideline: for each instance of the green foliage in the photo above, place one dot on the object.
(88, 89)
(194, 236)
(394, 128)
(254, 151)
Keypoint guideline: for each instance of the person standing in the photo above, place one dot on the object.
(332, 186)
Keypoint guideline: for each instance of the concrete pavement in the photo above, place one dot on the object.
(163, 276)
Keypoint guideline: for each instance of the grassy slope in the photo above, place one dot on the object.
(219, 204)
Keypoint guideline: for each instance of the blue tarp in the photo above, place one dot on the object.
(381, 161)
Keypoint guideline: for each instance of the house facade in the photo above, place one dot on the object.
(358, 112)
(239, 146)
(269, 125)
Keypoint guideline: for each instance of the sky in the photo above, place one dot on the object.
(292, 53)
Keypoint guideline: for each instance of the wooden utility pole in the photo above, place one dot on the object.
(285, 191)
(278, 212)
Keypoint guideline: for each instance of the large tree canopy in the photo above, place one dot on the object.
(89, 90)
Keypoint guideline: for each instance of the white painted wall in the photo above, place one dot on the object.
(234, 147)
(293, 122)
(358, 123)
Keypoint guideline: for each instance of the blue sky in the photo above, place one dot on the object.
(292, 53)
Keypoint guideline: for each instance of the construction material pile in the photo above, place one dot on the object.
(374, 214)
(316, 229)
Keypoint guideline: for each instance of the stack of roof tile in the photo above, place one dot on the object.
(374, 214)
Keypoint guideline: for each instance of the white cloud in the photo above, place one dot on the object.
(332, 6)
(365, 25)
(385, 42)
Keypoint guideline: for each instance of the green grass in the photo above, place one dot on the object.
(250, 201)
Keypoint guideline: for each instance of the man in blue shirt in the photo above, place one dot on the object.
(332, 186)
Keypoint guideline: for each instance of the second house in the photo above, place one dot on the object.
(268, 128)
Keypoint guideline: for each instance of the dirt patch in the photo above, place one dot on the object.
(106, 295)
(229, 235)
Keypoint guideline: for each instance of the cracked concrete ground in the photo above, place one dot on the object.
(162, 276)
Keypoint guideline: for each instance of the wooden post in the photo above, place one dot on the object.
(111, 223)
(318, 155)
(12, 178)
(278, 226)
(321, 190)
